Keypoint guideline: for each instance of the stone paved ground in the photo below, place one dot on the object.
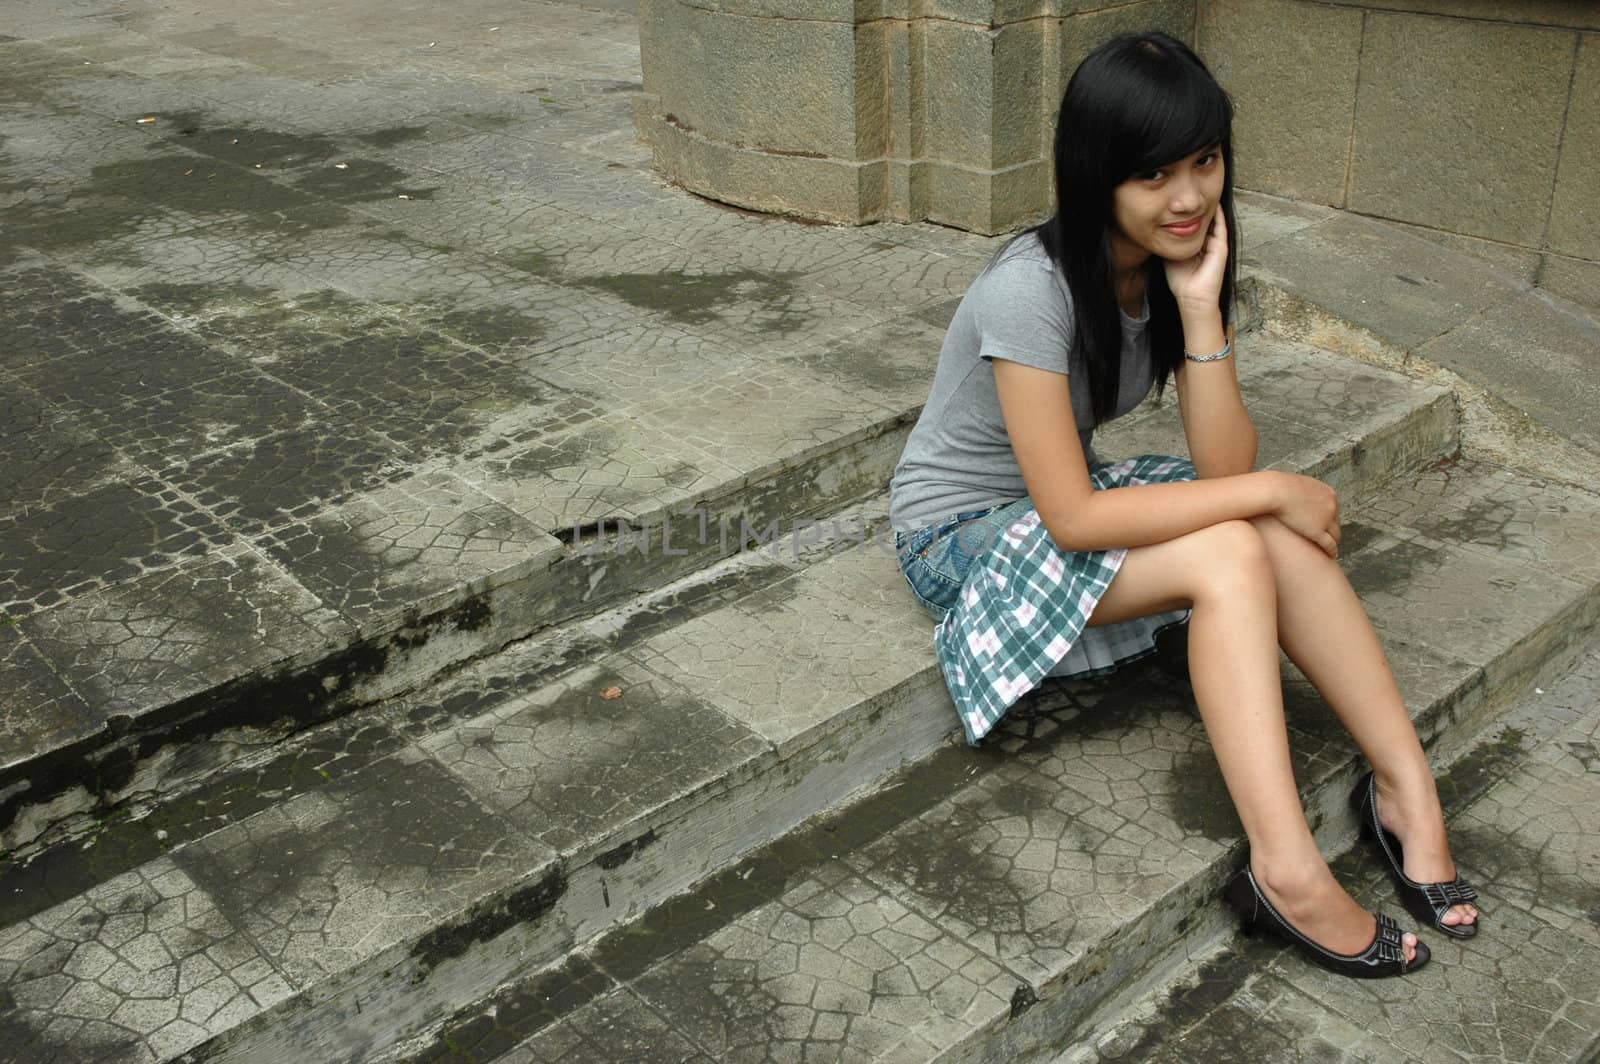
(1525, 814)
(379, 309)
(318, 318)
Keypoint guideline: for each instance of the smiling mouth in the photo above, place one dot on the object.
(1192, 223)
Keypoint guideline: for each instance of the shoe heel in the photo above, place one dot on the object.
(1239, 896)
(1359, 795)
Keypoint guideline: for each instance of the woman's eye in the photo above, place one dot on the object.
(1209, 157)
(1151, 175)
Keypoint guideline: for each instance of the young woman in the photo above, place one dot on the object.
(1038, 560)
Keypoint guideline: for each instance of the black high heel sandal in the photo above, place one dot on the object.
(1384, 957)
(1427, 902)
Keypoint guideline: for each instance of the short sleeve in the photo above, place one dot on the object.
(1024, 313)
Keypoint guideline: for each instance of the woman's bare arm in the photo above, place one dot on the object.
(1037, 406)
(1222, 438)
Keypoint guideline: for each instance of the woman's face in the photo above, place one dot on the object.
(1148, 207)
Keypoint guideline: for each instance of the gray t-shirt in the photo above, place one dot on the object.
(959, 457)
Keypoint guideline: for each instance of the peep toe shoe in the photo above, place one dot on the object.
(1385, 956)
(1427, 902)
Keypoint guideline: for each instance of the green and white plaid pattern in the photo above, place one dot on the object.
(1024, 607)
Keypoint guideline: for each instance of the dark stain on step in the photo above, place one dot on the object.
(698, 299)
(1201, 802)
(618, 856)
(319, 164)
(765, 874)
(1391, 566)
(488, 920)
(492, 1027)
(1474, 773)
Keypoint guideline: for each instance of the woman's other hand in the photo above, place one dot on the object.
(1311, 508)
(1196, 282)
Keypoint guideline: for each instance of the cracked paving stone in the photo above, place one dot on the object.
(1560, 720)
(1535, 837)
(179, 631)
(332, 878)
(787, 659)
(833, 969)
(422, 389)
(1301, 384)
(1267, 1020)
(1507, 513)
(647, 360)
(615, 1027)
(489, 682)
(418, 545)
(492, 1026)
(771, 430)
(599, 469)
(57, 322)
(572, 768)
(97, 539)
(186, 419)
(513, 225)
(1487, 611)
(39, 711)
(1088, 821)
(290, 476)
(515, 317)
(750, 308)
(1525, 990)
(892, 363)
(46, 456)
(141, 968)
(891, 278)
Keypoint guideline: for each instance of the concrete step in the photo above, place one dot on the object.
(169, 605)
(1522, 805)
(1004, 904)
(383, 872)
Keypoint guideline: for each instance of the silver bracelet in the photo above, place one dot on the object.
(1227, 349)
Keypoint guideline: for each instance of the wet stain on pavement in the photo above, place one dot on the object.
(697, 299)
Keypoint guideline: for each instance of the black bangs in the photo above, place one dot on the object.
(1170, 109)
(1185, 122)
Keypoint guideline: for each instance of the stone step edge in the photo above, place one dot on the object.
(619, 878)
(1191, 919)
(60, 792)
(1204, 945)
(1492, 428)
(1188, 919)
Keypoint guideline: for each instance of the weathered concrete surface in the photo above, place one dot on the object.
(1522, 813)
(1337, 105)
(864, 112)
(1520, 361)
(316, 381)
(279, 416)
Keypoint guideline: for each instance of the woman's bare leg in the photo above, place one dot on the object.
(1324, 629)
(1225, 574)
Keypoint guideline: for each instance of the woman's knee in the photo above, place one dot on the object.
(1284, 545)
(1230, 558)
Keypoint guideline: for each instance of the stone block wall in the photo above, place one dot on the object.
(866, 110)
(1475, 121)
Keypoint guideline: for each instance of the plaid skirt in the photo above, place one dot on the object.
(1014, 608)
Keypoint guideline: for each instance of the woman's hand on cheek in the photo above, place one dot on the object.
(1197, 280)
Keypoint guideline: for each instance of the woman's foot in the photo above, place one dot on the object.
(1411, 812)
(1313, 901)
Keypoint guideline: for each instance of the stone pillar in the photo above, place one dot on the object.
(864, 110)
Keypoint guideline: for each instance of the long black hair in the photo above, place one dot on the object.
(1137, 103)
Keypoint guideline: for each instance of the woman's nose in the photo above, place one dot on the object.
(1187, 196)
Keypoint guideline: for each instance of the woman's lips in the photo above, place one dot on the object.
(1188, 229)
